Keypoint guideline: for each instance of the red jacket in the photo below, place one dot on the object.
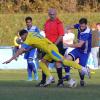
(53, 29)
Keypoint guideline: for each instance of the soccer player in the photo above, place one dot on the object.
(54, 32)
(31, 55)
(16, 44)
(52, 53)
(82, 47)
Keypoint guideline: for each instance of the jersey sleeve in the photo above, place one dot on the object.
(37, 30)
(76, 26)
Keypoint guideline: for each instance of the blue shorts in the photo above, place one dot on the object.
(32, 53)
(83, 57)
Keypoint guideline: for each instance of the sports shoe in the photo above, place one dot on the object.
(49, 81)
(86, 71)
(60, 83)
(82, 83)
(30, 79)
(53, 80)
(41, 84)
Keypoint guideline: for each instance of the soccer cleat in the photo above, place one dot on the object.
(60, 83)
(41, 84)
(49, 81)
(82, 83)
(30, 79)
(53, 80)
(86, 71)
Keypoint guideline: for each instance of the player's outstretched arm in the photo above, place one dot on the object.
(19, 52)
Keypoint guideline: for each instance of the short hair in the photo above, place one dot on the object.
(97, 23)
(83, 21)
(28, 18)
(22, 32)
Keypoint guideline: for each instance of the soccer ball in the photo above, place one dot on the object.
(72, 83)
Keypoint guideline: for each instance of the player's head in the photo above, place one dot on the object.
(68, 29)
(98, 26)
(28, 21)
(83, 24)
(52, 13)
(23, 34)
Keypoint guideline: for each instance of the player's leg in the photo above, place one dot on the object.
(72, 56)
(55, 55)
(29, 69)
(82, 62)
(43, 66)
(32, 62)
(41, 54)
(58, 57)
(59, 65)
(67, 68)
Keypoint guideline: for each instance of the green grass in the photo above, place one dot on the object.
(11, 23)
(13, 86)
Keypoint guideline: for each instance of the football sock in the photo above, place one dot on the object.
(67, 69)
(43, 76)
(59, 72)
(81, 76)
(45, 69)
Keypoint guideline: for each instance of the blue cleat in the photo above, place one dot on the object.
(30, 79)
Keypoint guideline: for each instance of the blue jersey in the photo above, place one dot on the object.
(85, 36)
(33, 29)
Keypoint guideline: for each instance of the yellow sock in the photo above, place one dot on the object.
(71, 64)
(45, 69)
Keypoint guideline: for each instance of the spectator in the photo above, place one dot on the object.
(98, 28)
(68, 38)
(95, 46)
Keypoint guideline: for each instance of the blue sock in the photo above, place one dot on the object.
(29, 72)
(67, 69)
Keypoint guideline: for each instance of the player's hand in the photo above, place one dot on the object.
(6, 62)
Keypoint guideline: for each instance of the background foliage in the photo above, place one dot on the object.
(26, 6)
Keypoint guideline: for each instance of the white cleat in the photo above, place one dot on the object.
(86, 71)
(49, 81)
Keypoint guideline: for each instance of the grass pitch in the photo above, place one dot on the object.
(13, 86)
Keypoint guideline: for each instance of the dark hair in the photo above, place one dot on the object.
(22, 32)
(28, 18)
(83, 21)
(97, 23)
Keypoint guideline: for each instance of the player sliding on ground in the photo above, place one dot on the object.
(38, 41)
